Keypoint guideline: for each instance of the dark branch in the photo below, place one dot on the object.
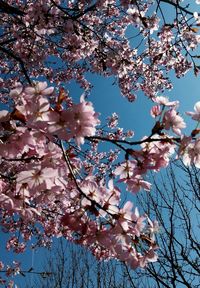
(19, 60)
(8, 9)
(177, 6)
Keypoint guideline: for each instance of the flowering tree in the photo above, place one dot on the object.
(56, 180)
(175, 204)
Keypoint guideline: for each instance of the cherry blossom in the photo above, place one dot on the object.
(39, 88)
(155, 111)
(137, 183)
(57, 178)
(113, 120)
(162, 100)
(78, 121)
(150, 256)
(195, 115)
(49, 168)
(37, 177)
(125, 170)
(192, 154)
(174, 121)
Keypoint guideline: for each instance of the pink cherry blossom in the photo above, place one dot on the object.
(18, 88)
(136, 183)
(37, 177)
(174, 121)
(162, 100)
(39, 88)
(113, 120)
(195, 115)
(60, 170)
(155, 111)
(125, 170)
(150, 256)
(77, 122)
(192, 154)
(50, 168)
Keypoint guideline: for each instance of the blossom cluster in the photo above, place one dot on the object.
(55, 178)
(9, 270)
(73, 36)
(44, 178)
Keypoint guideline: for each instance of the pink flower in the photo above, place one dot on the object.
(153, 228)
(6, 202)
(91, 189)
(125, 170)
(174, 121)
(192, 154)
(38, 113)
(37, 176)
(130, 220)
(111, 198)
(162, 100)
(16, 91)
(155, 111)
(79, 121)
(150, 256)
(184, 144)
(113, 120)
(195, 115)
(136, 183)
(39, 88)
